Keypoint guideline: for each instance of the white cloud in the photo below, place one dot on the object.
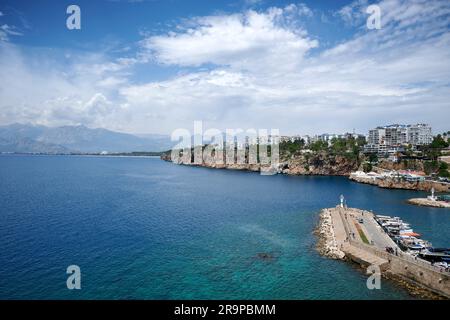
(250, 41)
(249, 69)
(6, 31)
(253, 2)
(354, 13)
(379, 76)
(33, 88)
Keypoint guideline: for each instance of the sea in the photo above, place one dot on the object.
(143, 228)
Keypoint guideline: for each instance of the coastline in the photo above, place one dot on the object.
(345, 171)
(320, 165)
(386, 183)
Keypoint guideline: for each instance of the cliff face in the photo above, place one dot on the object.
(165, 156)
(320, 164)
(410, 164)
(306, 164)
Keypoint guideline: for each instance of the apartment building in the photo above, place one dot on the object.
(384, 138)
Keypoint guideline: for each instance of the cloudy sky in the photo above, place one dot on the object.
(153, 66)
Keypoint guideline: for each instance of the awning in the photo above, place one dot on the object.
(411, 234)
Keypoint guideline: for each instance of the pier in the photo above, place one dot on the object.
(429, 203)
(358, 236)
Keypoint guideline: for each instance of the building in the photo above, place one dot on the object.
(420, 134)
(376, 136)
(295, 138)
(382, 140)
(396, 134)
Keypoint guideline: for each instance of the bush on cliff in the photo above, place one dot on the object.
(443, 170)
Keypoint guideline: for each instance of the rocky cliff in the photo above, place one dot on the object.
(320, 163)
(417, 165)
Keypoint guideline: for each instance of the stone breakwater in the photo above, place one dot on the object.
(327, 244)
(429, 203)
(391, 183)
(336, 235)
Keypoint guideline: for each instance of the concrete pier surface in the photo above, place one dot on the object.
(357, 235)
(429, 203)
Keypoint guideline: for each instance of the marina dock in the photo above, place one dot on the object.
(360, 236)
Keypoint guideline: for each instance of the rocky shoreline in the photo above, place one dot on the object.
(320, 164)
(402, 184)
(327, 244)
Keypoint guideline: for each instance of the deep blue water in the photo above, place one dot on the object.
(142, 228)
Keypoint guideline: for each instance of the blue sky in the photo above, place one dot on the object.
(111, 25)
(154, 66)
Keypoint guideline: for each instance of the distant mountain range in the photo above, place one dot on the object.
(26, 138)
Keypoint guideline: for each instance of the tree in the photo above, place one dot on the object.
(292, 147)
(367, 167)
(430, 167)
(361, 141)
(319, 146)
(433, 151)
(439, 143)
(443, 170)
(373, 158)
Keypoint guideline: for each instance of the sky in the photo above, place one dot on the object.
(153, 66)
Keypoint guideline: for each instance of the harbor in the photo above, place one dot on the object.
(388, 243)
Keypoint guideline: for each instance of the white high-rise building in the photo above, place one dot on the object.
(377, 136)
(382, 138)
(396, 134)
(420, 134)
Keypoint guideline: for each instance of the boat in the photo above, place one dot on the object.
(434, 257)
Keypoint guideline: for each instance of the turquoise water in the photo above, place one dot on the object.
(142, 228)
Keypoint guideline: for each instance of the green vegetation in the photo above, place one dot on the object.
(361, 234)
(430, 167)
(292, 147)
(348, 148)
(436, 167)
(367, 167)
(408, 150)
(443, 170)
(433, 151)
(439, 142)
(319, 146)
(345, 147)
(373, 158)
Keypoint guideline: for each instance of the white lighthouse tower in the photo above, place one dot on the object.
(432, 197)
(342, 200)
